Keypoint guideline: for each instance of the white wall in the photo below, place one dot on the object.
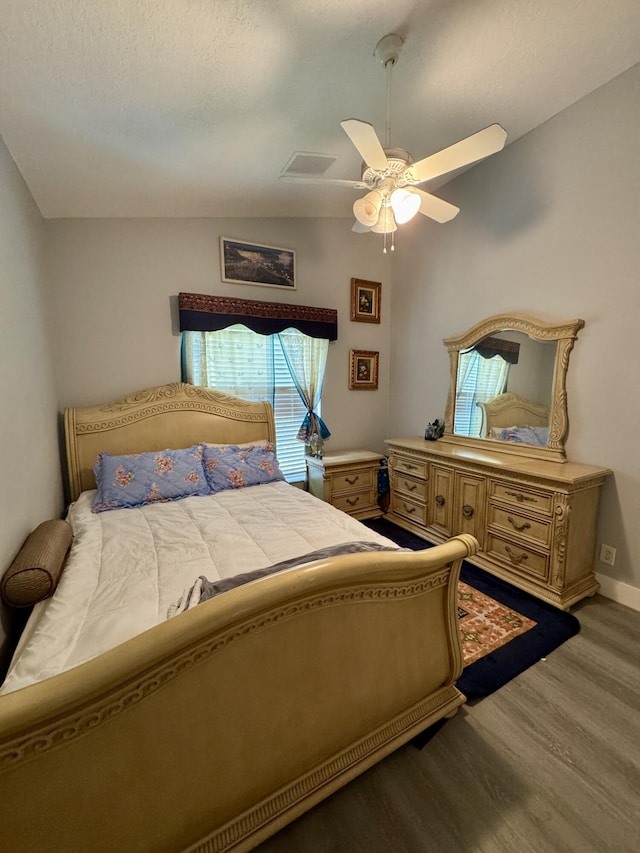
(114, 282)
(31, 483)
(549, 227)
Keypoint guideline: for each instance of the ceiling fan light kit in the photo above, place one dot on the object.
(367, 208)
(390, 174)
(405, 204)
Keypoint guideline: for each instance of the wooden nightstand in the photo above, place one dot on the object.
(347, 479)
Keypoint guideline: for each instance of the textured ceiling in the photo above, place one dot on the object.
(122, 108)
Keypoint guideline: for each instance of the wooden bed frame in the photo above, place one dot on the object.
(508, 410)
(213, 730)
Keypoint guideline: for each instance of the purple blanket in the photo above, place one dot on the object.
(204, 589)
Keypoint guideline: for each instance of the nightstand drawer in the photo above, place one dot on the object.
(355, 501)
(349, 481)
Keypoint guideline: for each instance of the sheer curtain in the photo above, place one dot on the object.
(235, 360)
(307, 359)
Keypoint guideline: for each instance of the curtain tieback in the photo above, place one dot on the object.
(312, 425)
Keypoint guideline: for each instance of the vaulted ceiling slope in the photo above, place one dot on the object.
(126, 108)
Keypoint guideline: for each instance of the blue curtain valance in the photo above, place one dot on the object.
(204, 313)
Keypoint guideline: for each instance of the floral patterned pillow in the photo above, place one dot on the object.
(526, 435)
(233, 467)
(144, 478)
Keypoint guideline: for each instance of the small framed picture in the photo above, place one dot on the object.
(365, 300)
(363, 370)
(251, 263)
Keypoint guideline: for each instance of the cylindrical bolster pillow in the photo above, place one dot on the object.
(35, 572)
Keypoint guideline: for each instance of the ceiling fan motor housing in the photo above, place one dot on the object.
(397, 161)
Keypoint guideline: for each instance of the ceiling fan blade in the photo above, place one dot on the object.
(359, 228)
(436, 208)
(469, 150)
(365, 139)
(336, 182)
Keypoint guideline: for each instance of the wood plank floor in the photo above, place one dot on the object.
(551, 762)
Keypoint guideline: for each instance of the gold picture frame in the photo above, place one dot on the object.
(365, 300)
(363, 370)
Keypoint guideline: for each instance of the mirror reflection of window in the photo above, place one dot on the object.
(479, 380)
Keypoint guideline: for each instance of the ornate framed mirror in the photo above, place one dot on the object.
(507, 387)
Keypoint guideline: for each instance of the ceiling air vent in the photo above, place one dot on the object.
(303, 163)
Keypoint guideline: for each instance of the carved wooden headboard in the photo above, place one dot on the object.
(508, 410)
(167, 416)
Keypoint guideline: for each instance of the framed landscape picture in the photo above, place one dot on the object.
(365, 300)
(252, 263)
(363, 370)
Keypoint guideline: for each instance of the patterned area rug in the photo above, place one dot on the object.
(486, 624)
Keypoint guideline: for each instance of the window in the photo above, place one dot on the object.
(253, 367)
(479, 380)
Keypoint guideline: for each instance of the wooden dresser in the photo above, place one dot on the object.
(535, 520)
(348, 479)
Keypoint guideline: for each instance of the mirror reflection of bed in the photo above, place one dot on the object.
(512, 369)
(508, 417)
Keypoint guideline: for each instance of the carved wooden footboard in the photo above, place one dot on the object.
(211, 731)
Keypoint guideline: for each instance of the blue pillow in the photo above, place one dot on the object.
(233, 467)
(144, 478)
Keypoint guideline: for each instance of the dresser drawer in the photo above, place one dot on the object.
(410, 509)
(409, 465)
(510, 520)
(517, 556)
(349, 481)
(411, 487)
(355, 501)
(519, 496)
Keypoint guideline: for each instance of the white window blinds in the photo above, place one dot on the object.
(253, 367)
(479, 380)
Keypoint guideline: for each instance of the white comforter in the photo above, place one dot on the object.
(128, 566)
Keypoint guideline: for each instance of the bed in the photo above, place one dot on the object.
(211, 730)
(509, 417)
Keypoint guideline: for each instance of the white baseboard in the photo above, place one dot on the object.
(618, 591)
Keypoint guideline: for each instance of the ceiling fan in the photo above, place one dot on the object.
(390, 175)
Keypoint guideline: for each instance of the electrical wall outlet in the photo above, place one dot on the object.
(607, 554)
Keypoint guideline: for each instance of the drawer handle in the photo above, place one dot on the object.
(515, 558)
(520, 497)
(440, 500)
(410, 487)
(409, 509)
(468, 511)
(353, 501)
(518, 527)
(409, 466)
(354, 481)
